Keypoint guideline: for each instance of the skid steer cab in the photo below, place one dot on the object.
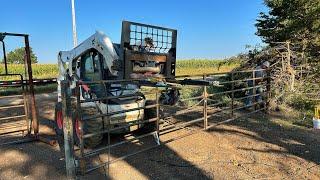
(145, 52)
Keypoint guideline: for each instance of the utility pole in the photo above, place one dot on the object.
(74, 28)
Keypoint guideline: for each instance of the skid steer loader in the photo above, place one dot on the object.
(145, 52)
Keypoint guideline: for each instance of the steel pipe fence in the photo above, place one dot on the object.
(238, 94)
(22, 116)
(14, 115)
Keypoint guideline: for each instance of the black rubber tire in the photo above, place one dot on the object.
(90, 126)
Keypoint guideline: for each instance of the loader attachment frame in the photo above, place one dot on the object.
(143, 45)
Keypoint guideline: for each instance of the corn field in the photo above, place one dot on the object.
(184, 67)
(39, 71)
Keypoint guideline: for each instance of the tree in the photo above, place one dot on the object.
(17, 56)
(297, 21)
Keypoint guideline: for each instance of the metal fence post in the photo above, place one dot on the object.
(254, 89)
(35, 122)
(205, 105)
(68, 131)
(158, 111)
(82, 164)
(232, 94)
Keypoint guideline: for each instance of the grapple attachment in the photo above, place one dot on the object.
(148, 51)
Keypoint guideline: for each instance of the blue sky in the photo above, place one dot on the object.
(206, 28)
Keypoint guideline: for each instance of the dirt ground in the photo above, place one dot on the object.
(259, 147)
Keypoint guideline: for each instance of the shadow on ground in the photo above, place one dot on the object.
(293, 140)
(36, 160)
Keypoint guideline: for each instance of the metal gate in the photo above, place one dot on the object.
(205, 108)
(18, 117)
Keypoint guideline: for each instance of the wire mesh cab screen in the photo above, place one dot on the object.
(148, 50)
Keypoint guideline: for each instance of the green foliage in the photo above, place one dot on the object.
(17, 56)
(301, 102)
(297, 21)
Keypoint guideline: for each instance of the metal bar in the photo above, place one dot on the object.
(13, 74)
(232, 119)
(111, 81)
(82, 163)
(150, 26)
(14, 125)
(13, 96)
(118, 128)
(25, 140)
(242, 80)
(193, 98)
(106, 98)
(216, 104)
(232, 94)
(117, 112)
(110, 97)
(188, 107)
(67, 131)
(242, 107)
(26, 109)
(220, 110)
(10, 132)
(158, 113)
(237, 99)
(212, 74)
(35, 122)
(205, 105)
(228, 108)
(4, 57)
(8, 107)
(143, 150)
(254, 89)
(236, 90)
(14, 34)
(96, 151)
(268, 90)
(179, 126)
(12, 117)
(109, 140)
(10, 85)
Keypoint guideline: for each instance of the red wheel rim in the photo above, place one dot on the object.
(78, 128)
(59, 120)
